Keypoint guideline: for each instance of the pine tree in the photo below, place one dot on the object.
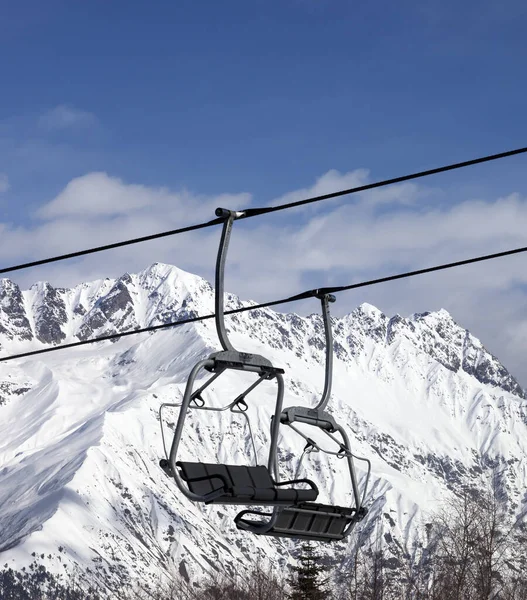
(307, 582)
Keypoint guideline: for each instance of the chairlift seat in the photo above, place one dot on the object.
(308, 521)
(241, 484)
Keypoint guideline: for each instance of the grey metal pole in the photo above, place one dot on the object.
(272, 464)
(185, 403)
(219, 284)
(328, 379)
(230, 216)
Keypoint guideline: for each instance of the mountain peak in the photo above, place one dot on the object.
(370, 310)
(161, 270)
(427, 404)
(435, 315)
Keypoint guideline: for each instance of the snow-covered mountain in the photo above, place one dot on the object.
(80, 485)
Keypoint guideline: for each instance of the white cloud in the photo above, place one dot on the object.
(276, 256)
(330, 182)
(97, 195)
(334, 181)
(4, 183)
(98, 209)
(64, 116)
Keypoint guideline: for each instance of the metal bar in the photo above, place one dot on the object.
(275, 425)
(367, 482)
(187, 397)
(339, 443)
(321, 513)
(196, 393)
(308, 439)
(163, 429)
(319, 448)
(232, 404)
(306, 534)
(219, 308)
(248, 421)
(325, 300)
(354, 485)
(259, 528)
(242, 412)
(250, 388)
(299, 465)
(350, 454)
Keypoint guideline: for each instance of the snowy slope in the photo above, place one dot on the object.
(80, 442)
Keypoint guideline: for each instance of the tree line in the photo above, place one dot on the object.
(474, 550)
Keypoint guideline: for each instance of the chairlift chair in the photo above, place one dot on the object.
(309, 520)
(232, 484)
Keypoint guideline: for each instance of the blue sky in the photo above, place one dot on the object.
(179, 102)
(259, 96)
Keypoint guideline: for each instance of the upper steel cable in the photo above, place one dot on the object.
(145, 238)
(254, 212)
(303, 295)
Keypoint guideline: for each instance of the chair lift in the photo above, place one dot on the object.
(232, 484)
(308, 520)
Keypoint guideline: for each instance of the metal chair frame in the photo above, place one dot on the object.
(218, 363)
(316, 417)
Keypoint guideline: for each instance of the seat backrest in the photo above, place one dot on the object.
(212, 477)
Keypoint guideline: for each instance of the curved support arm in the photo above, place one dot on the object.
(354, 485)
(360, 513)
(229, 217)
(258, 527)
(308, 482)
(325, 299)
(185, 403)
(272, 463)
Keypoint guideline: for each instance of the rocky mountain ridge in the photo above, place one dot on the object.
(79, 482)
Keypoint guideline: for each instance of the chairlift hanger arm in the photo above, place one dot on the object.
(229, 217)
(325, 299)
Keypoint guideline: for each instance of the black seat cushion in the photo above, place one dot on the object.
(241, 484)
